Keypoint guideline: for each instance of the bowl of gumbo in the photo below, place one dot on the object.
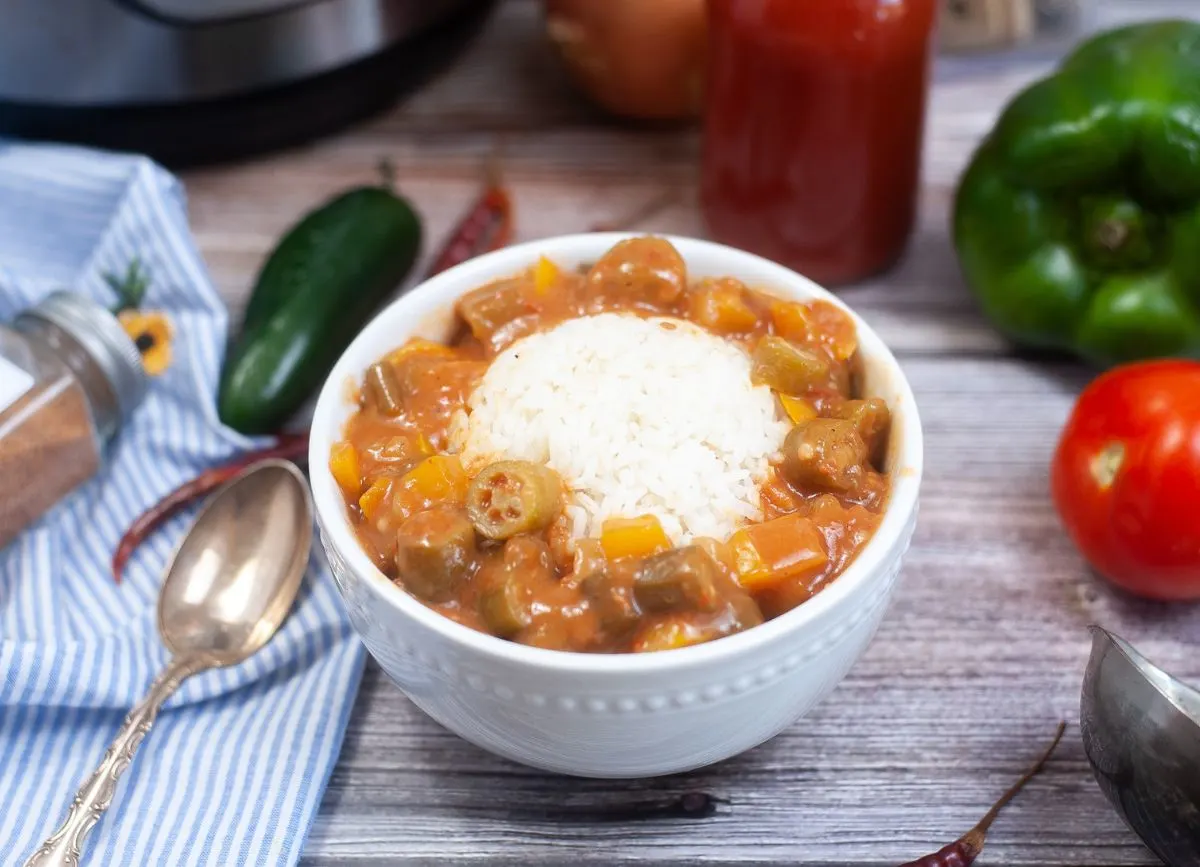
(615, 457)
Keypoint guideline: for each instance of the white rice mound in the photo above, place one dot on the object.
(639, 416)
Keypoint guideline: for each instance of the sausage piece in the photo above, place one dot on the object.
(873, 420)
(498, 313)
(683, 579)
(825, 454)
(638, 272)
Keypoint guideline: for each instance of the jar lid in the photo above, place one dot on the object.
(105, 341)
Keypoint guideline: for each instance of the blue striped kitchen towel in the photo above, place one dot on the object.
(234, 768)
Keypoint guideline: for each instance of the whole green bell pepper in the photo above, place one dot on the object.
(1077, 222)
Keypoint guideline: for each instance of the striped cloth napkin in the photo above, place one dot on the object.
(233, 771)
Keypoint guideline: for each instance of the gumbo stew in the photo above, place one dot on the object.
(493, 548)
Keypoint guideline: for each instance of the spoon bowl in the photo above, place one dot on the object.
(230, 584)
(1141, 733)
(235, 575)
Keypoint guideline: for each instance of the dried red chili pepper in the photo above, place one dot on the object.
(487, 226)
(963, 851)
(289, 447)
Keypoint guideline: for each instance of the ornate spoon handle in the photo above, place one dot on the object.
(64, 847)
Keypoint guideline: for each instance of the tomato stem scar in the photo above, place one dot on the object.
(1107, 463)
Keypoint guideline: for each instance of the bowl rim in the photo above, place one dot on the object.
(451, 284)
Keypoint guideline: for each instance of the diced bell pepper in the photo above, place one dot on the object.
(797, 408)
(633, 537)
(776, 551)
(670, 633)
(344, 465)
(545, 275)
(372, 499)
(439, 479)
(720, 306)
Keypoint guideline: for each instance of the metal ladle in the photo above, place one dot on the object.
(229, 587)
(1141, 733)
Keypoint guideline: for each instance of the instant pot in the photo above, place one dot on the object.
(196, 81)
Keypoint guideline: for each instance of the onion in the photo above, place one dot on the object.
(639, 59)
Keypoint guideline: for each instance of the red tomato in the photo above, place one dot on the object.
(1126, 478)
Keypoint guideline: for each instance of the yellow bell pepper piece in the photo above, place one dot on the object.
(343, 463)
(633, 537)
(545, 275)
(776, 551)
(670, 634)
(797, 408)
(372, 499)
(791, 320)
(721, 308)
(437, 479)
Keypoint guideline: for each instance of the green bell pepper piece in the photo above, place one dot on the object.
(1077, 221)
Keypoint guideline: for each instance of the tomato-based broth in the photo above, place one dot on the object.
(617, 459)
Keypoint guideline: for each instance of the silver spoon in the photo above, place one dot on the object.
(1141, 733)
(231, 583)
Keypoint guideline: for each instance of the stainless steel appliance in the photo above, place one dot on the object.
(193, 81)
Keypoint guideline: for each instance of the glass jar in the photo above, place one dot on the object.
(813, 125)
(69, 376)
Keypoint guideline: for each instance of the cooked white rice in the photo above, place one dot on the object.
(639, 416)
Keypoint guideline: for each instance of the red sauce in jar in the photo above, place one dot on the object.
(813, 125)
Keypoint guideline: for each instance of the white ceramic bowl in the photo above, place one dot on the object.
(613, 715)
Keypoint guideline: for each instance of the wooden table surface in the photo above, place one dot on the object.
(985, 646)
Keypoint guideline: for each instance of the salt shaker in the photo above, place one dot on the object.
(69, 377)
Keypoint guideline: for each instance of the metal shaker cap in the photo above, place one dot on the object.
(101, 336)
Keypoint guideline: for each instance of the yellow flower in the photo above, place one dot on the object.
(151, 333)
